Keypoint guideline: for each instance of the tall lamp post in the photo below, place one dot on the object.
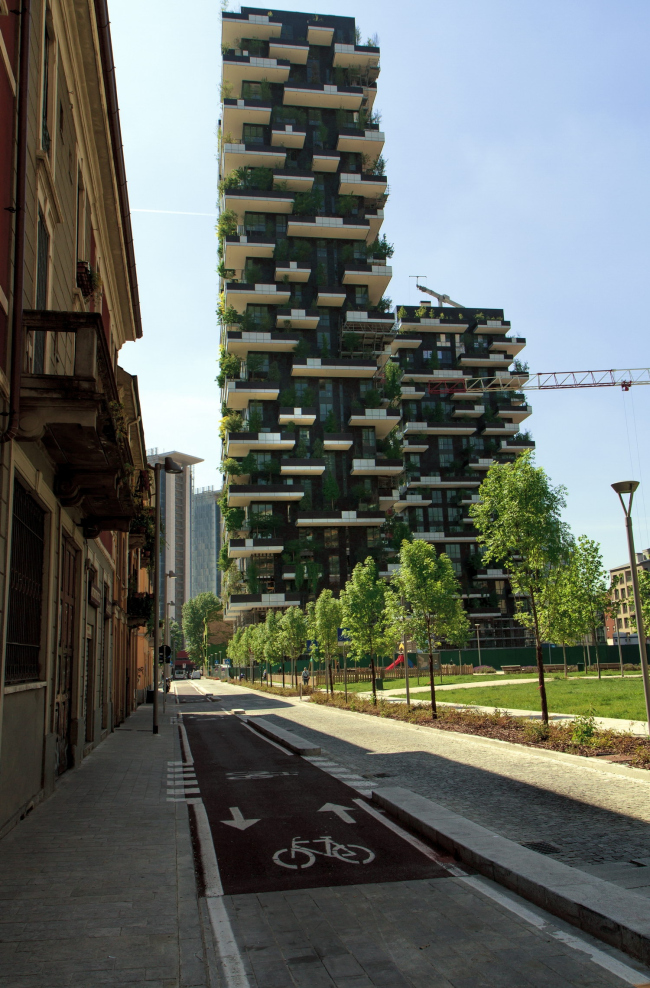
(629, 487)
(169, 466)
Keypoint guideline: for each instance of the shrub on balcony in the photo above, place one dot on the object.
(301, 250)
(384, 304)
(308, 203)
(330, 425)
(345, 205)
(372, 398)
(229, 366)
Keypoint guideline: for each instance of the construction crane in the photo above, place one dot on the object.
(546, 381)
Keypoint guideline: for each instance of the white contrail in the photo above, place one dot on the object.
(173, 212)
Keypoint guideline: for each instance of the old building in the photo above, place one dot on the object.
(622, 624)
(73, 472)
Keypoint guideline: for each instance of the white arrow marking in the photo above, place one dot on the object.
(238, 820)
(341, 811)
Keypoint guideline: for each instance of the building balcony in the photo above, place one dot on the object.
(236, 26)
(292, 180)
(239, 393)
(481, 462)
(368, 186)
(327, 227)
(297, 318)
(382, 420)
(139, 609)
(517, 445)
(293, 271)
(484, 359)
(422, 480)
(242, 495)
(288, 51)
(517, 413)
(241, 443)
(375, 219)
(332, 519)
(244, 548)
(251, 68)
(333, 367)
(241, 294)
(362, 57)
(243, 201)
(411, 393)
(332, 297)
(387, 499)
(404, 343)
(410, 501)
(451, 481)
(337, 442)
(439, 374)
(431, 323)
(237, 112)
(491, 574)
(493, 326)
(376, 468)
(512, 345)
(468, 410)
(288, 137)
(408, 446)
(252, 156)
(368, 142)
(443, 537)
(500, 429)
(241, 603)
(470, 499)
(324, 97)
(360, 321)
(299, 416)
(325, 161)
(319, 35)
(302, 467)
(241, 343)
(70, 403)
(239, 248)
(375, 276)
(484, 612)
(439, 428)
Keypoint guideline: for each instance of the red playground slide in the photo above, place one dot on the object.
(398, 662)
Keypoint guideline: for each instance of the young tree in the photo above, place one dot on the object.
(327, 620)
(294, 636)
(363, 601)
(237, 650)
(272, 640)
(175, 637)
(519, 524)
(590, 589)
(198, 612)
(428, 582)
(557, 612)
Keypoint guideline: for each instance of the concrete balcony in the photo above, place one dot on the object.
(288, 51)
(484, 359)
(251, 68)
(493, 326)
(517, 413)
(422, 480)
(404, 343)
(411, 393)
(237, 112)
(361, 321)
(408, 446)
(243, 495)
(387, 499)
(470, 499)
(375, 219)
(241, 443)
(294, 181)
(432, 323)
(324, 97)
(512, 345)
(332, 297)
(382, 420)
(293, 271)
(328, 227)
(242, 603)
(236, 26)
(331, 519)
(375, 276)
(334, 442)
(239, 248)
(325, 161)
(241, 294)
(368, 142)
(376, 468)
(362, 57)
(239, 393)
(443, 537)
(302, 467)
(500, 429)
(517, 445)
(299, 416)
(243, 201)
(318, 35)
(439, 374)
(241, 343)
(410, 501)
(481, 462)
(288, 137)
(468, 410)
(368, 186)
(333, 367)
(297, 318)
(491, 574)
(245, 548)
(439, 428)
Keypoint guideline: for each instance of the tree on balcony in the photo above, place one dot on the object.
(331, 491)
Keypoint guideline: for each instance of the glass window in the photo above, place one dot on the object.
(315, 116)
(414, 460)
(437, 518)
(417, 519)
(251, 90)
(331, 538)
(280, 226)
(253, 134)
(446, 459)
(258, 314)
(436, 497)
(445, 442)
(323, 318)
(361, 295)
(373, 537)
(260, 510)
(453, 551)
(335, 569)
(323, 340)
(255, 222)
(330, 463)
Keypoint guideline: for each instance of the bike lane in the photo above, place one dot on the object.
(280, 823)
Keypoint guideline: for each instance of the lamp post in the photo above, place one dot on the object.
(478, 641)
(169, 466)
(406, 658)
(167, 647)
(629, 487)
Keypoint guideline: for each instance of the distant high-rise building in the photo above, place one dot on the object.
(205, 541)
(176, 513)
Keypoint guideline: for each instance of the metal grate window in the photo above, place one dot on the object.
(25, 589)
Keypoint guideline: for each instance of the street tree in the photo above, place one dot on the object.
(590, 589)
(198, 612)
(237, 650)
(519, 525)
(428, 583)
(327, 618)
(293, 629)
(557, 608)
(363, 600)
(272, 640)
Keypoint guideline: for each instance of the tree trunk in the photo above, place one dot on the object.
(345, 673)
(566, 671)
(374, 675)
(331, 678)
(540, 664)
(434, 709)
(596, 650)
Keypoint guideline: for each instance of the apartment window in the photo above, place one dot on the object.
(314, 116)
(373, 537)
(445, 459)
(253, 134)
(262, 460)
(436, 497)
(453, 551)
(359, 251)
(325, 398)
(257, 363)
(445, 442)
(255, 222)
(323, 318)
(330, 463)
(368, 443)
(414, 461)
(437, 518)
(335, 569)
(251, 90)
(301, 387)
(417, 519)
(305, 483)
(303, 443)
(331, 536)
(313, 72)
(323, 340)
(280, 226)
(22, 659)
(361, 295)
(259, 315)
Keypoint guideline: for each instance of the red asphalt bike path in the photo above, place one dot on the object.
(279, 822)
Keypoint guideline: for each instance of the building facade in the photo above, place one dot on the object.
(73, 474)
(338, 424)
(176, 492)
(206, 530)
(620, 625)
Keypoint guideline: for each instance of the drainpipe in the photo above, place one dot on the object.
(19, 235)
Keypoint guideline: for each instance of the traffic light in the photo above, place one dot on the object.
(164, 653)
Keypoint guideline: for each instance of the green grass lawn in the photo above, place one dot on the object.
(611, 697)
(400, 684)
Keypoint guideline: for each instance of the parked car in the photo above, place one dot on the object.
(196, 674)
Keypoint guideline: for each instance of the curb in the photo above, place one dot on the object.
(286, 738)
(619, 917)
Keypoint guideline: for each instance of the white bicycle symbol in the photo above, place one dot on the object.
(300, 856)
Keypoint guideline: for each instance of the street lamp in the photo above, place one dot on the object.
(169, 466)
(478, 641)
(629, 487)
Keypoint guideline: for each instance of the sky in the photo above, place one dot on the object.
(518, 153)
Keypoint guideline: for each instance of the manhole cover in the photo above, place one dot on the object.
(541, 846)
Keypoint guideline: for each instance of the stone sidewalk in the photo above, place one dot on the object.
(97, 884)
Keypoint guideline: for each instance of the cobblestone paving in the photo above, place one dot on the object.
(590, 815)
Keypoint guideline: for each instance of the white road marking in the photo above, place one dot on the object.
(404, 834)
(341, 811)
(268, 740)
(238, 821)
